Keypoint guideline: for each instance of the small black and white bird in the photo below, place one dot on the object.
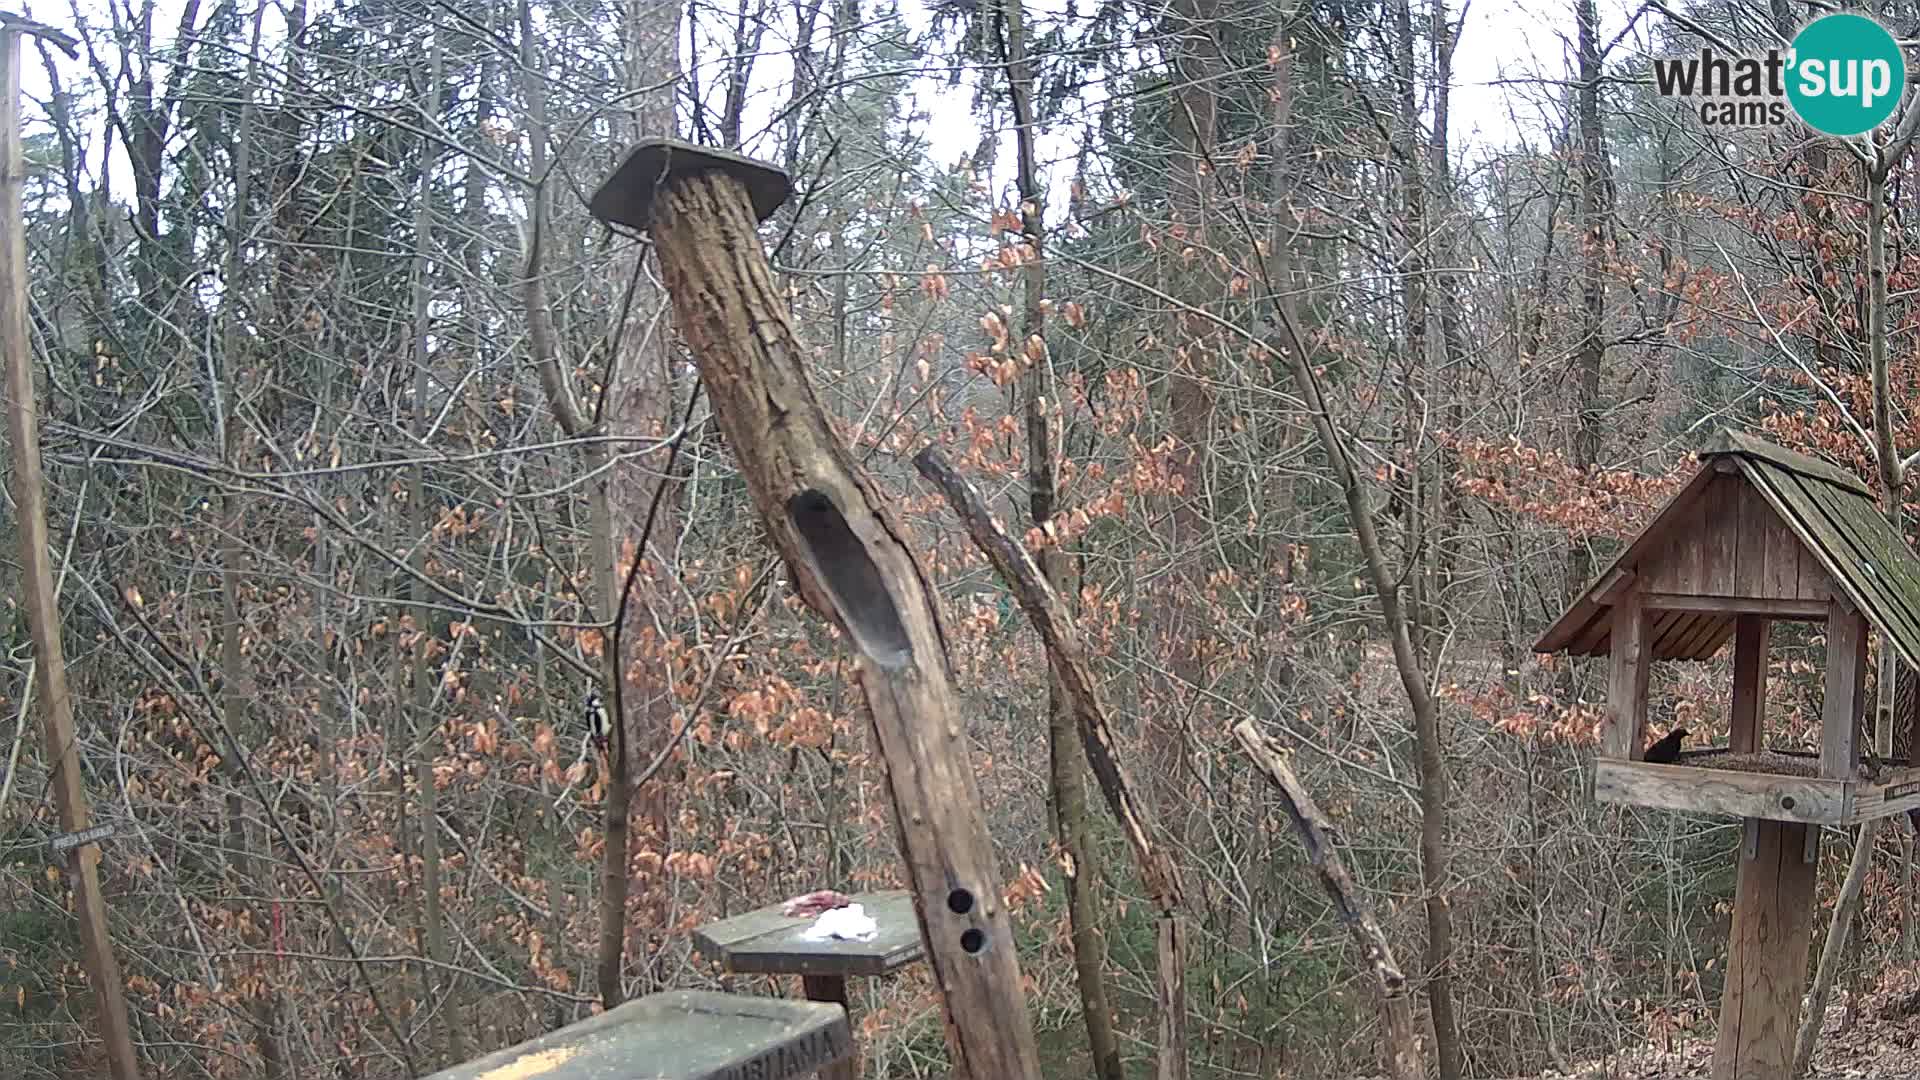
(598, 727)
(1667, 750)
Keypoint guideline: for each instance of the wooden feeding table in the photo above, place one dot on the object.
(678, 1035)
(1771, 785)
(767, 942)
(1759, 534)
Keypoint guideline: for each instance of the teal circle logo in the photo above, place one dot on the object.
(1848, 74)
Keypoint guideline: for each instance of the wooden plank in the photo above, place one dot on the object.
(1815, 582)
(679, 1035)
(1810, 523)
(1674, 564)
(1593, 639)
(1752, 635)
(1723, 633)
(1692, 789)
(1719, 537)
(1767, 955)
(1613, 583)
(1840, 711)
(1734, 442)
(1652, 538)
(715, 938)
(1750, 559)
(1627, 681)
(1896, 793)
(1666, 629)
(1855, 547)
(1708, 632)
(1796, 609)
(765, 942)
(1787, 555)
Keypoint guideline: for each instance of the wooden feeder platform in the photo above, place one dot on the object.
(1773, 785)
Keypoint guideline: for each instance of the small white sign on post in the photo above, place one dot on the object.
(68, 841)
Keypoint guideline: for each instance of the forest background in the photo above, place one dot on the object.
(355, 420)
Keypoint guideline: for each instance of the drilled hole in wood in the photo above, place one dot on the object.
(973, 940)
(851, 578)
(1786, 802)
(959, 901)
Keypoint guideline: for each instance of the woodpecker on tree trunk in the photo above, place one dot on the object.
(598, 726)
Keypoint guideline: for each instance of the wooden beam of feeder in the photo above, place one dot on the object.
(1068, 659)
(842, 544)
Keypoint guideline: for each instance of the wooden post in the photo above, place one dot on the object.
(1625, 736)
(1840, 712)
(833, 989)
(841, 541)
(1767, 954)
(36, 571)
(1750, 637)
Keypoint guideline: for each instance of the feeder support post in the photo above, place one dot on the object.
(845, 549)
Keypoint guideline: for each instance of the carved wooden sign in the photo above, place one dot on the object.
(68, 841)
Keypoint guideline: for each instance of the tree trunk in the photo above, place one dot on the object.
(1847, 905)
(236, 691)
(841, 541)
(1065, 756)
(639, 492)
(1590, 353)
(426, 729)
(1431, 762)
(1067, 662)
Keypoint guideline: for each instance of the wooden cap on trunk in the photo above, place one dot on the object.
(627, 196)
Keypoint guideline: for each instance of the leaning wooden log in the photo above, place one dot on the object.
(842, 545)
(1396, 1006)
(1068, 658)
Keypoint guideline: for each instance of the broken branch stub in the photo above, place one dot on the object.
(1399, 1035)
(842, 544)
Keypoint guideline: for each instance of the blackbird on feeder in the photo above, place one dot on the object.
(1667, 750)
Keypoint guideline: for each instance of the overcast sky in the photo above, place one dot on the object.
(1507, 48)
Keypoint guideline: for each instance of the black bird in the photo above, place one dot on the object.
(1667, 750)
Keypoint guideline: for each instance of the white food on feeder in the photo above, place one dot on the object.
(850, 923)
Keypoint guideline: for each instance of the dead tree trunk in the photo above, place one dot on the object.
(844, 547)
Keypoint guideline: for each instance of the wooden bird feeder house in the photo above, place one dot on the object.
(1759, 534)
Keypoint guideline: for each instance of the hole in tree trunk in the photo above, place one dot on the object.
(851, 578)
